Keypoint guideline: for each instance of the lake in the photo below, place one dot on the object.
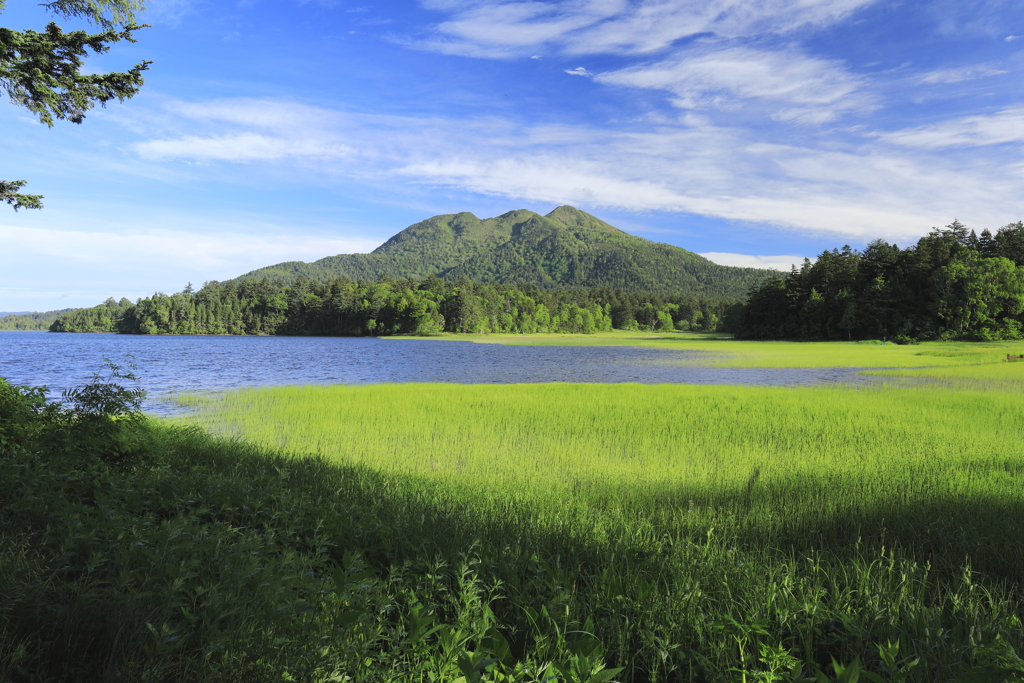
(169, 364)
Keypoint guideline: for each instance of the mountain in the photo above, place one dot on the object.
(566, 248)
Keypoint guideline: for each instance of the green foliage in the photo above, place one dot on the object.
(24, 415)
(528, 533)
(813, 525)
(951, 284)
(566, 248)
(43, 72)
(104, 13)
(104, 419)
(9, 193)
(103, 318)
(388, 307)
(32, 321)
(226, 563)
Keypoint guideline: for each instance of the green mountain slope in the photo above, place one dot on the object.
(566, 248)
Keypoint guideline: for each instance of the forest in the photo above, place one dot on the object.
(384, 307)
(31, 321)
(952, 284)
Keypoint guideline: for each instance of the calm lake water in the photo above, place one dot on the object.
(168, 364)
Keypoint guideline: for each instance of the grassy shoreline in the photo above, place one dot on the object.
(732, 353)
(683, 518)
(553, 532)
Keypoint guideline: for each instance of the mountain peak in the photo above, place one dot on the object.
(570, 216)
(565, 248)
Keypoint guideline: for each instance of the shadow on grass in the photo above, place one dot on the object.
(222, 562)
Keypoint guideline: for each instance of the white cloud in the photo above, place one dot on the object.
(207, 251)
(966, 73)
(167, 12)
(877, 190)
(817, 87)
(1010, 39)
(286, 129)
(969, 131)
(278, 115)
(780, 263)
(507, 29)
(813, 91)
(240, 147)
(655, 24)
(726, 178)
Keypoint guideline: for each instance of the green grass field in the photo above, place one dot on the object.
(707, 533)
(563, 533)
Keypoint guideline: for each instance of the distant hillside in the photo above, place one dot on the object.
(31, 321)
(566, 248)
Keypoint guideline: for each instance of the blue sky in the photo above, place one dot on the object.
(750, 131)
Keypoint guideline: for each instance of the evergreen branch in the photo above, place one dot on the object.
(122, 12)
(41, 71)
(9, 194)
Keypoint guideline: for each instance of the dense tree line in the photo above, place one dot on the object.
(388, 306)
(31, 321)
(951, 284)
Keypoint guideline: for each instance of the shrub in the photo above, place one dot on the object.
(24, 412)
(102, 420)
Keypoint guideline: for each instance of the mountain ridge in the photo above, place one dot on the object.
(565, 248)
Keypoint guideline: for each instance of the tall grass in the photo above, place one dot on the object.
(558, 533)
(633, 443)
(701, 527)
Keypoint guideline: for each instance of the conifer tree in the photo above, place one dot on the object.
(42, 71)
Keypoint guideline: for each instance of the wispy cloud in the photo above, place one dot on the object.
(240, 147)
(578, 71)
(168, 12)
(780, 263)
(203, 253)
(969, 131)
(692, 167)
(208, 251)
(956, 75)
(809, 87)
(283, 129)
(508, 29)
(257, 112)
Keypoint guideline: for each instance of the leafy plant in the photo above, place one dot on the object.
(104, 419)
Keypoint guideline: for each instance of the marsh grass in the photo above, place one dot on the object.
(722, 350)
(706, 533)
(1000, 375)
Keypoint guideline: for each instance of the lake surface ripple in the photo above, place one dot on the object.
(211, 363)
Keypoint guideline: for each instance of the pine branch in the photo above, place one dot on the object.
(9, 194)
(42, 71)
